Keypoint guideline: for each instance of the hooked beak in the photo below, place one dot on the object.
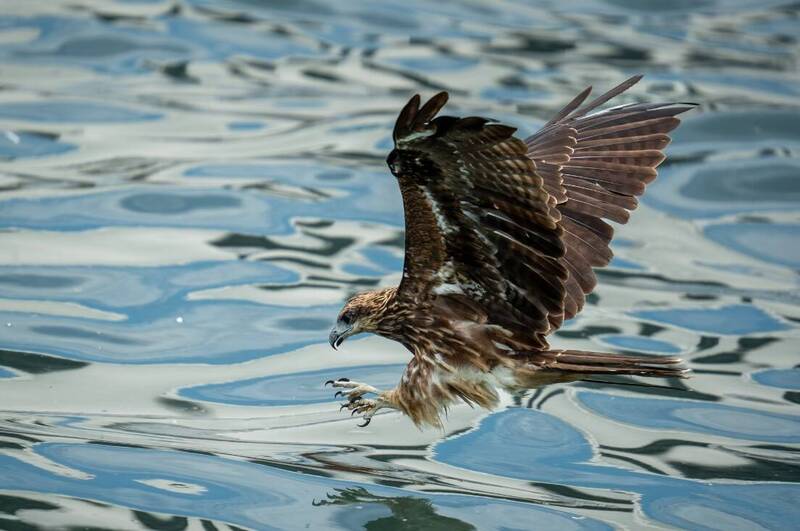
(338, 335)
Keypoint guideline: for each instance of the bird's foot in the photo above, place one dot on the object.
(357, 389)
(366, 407)
(356, 404)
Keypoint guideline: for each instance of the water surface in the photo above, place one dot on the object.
(189, 190)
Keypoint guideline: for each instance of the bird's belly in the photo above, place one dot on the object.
(523, 376)
(504, 376)
(499, 376)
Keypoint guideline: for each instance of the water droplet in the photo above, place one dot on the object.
(179, 319)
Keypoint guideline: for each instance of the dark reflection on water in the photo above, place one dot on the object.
(36, 363)
(189, 190)
(406, 512)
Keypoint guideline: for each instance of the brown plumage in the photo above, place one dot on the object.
(501, 238)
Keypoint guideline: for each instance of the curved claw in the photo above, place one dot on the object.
(328, 382)
(338, 393)
(354, 412)
(367, 420)
(344, 406)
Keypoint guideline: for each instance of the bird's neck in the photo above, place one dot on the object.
(388, 317)
(398, 321)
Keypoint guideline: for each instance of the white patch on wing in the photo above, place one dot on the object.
(447, 273)
(448, 289)
(441, 221)
(445, 276)
(415, 135)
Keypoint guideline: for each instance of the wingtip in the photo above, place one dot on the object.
(429, 110)
(628, 83)
(581, 97)
(406, 116)
(684, 106)
(600, 100)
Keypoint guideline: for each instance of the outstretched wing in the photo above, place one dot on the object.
(479, 222)
(596, 165)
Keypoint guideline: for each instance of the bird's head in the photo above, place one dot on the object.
(361, 313)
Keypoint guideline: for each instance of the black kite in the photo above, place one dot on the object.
(501, 238)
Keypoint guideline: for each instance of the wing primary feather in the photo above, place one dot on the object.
(569, 107)
(597, 102)
(430, 109)
(402, 126)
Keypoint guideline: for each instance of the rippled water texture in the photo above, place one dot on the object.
(190, 188)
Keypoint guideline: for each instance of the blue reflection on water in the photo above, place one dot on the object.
(776, 243)
(127, 48)
(722, 187)
(207, 331)
(246, 126)
(376, 262)
(735, 319)
(244, 493)
(639, 344)
(22, 144)
(235, 211)
(622, 263)
(535, 446)
(126, 288)
(782, 378)
(702, 417)
(292, 389)
(151, 299)
(72, 112)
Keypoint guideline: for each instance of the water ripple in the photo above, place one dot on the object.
(190, 190)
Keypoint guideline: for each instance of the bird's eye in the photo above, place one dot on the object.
(347, 318)
(393, 161)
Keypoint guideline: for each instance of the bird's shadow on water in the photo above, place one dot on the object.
(407, 512)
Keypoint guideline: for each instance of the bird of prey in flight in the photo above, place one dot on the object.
(501, 238)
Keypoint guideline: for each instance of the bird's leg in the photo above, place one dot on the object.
(357, 389)
(356, 404)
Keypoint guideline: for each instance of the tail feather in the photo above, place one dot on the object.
(584, 362)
